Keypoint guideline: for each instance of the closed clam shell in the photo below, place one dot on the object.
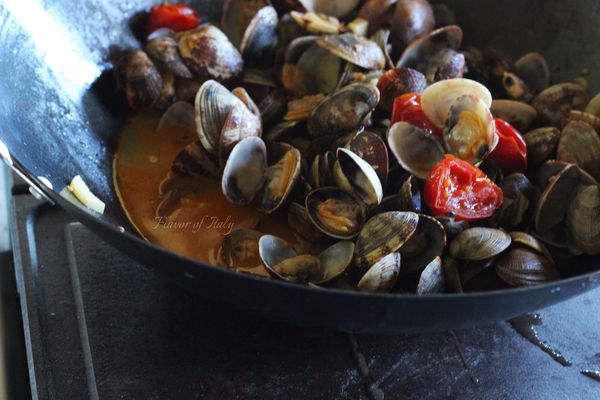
(588, 118)
(165, 52)
(280, 179)
(301, 224)
(382, 234)
(432, 278)
(239, 251)
(521, 267)
(533, 69)
(382, 275)
(520, 198)
(593, 106)
(212, 104)
(556, 101)
(376, 12)
(370, 147)
(245, 170)
(583, 220)
(541, 144)
(209, 54)
(195, 161)
(416, 150)
(517, 113)
(421, 49)
(425, 244)
(343, 111)
(579, 144)
(260, 36)
(361, 176)
(470, 131)
(334, 261)
(439, 97)
(335, 212)
(139, 77)
(240, 123)
(321, 68)
(236, 17)
(354, 49)
(530, 242)
(397, 82)
(546, 171)
(412, 20)
(515, 88)
(479, 243)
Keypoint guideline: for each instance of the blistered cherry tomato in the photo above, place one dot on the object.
(178, 17)
(407, 108)
(511, 152)
(458, 187)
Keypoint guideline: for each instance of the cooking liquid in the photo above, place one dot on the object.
(201, 215)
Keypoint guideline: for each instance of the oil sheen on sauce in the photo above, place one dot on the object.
(200, 215)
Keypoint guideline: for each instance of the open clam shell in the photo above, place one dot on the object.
(425, 244)
(432, 278)
(376, 12)
(416, 150)
(260, 37)
(281, 260)
(195, 161)
(361, 177)
(479, 243)
(245, 171)
(239, 251)
(355, 49)
(583, 220)
(334, 261)
(335, 212)
(300, 222)
(370, 147)
(237, 16)
(520, 198)
(421, 49)
(281, 178)
(382, 275)
(239, 124)
(382, 234)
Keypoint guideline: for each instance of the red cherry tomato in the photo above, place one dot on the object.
(178, 17)
(407, 107)
(511, 152)
(458, 187)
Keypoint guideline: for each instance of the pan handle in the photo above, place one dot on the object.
(34, 188)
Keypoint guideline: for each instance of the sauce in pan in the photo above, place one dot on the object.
(199, 215)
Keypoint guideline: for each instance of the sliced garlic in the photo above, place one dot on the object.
(83, 193)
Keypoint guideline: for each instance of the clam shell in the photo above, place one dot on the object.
(335, 212)
(533, 69)
(444, 64)
(281, 177)
(520, 198)
(583, 220)
(556, 101)
(450, 270)
(409, 196)
(239, 124)
(245, 170)
(399, 81)
(382, 234)
(412, 20)
(260, 36)
(382, 276)
(245, 97)
(343, 111)
(195, 161)
(478, 243)
(322, 68)
(439, 97)
(593, 106)
(239, 251)
(579, 144)
(361, 176)
(425, 244)
(541, 143)
(281, 261)
(432, 278)
(517, 113)
(300, 222)
(416, 150)
(236, 17)
(334, 261)
(521, 267)
(165, 52)
(140, 79)
(375, 12)
(588, 118)
(354, 49)
(515, 88)
(370, 147)
(336, 9)
(530, 242)
(421, 49)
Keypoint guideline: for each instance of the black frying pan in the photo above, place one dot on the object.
(59, 118)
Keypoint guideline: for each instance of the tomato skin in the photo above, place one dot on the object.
(407, 107)
(511, 152)
(178, 17)
(458, 187)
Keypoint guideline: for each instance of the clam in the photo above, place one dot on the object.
(409, 196)
(382, 234)
(237, 16)
(165, 52)
(450, 270)
(334, 261)
(361, 176)
(300, 222)
(593, 106)
(470, 132)
(530, 242)
(355, 49)
(334, 8)
(579, 144)
(422, 49)
(415, 149)
(583, 220)
(520, 197)
(370, 147)
(239, 124)
(245, 97)
(376, 12)
(479, 243)
(281, 260)
(273, 107)
(556, 101)
(245, 170)
(300, 109)
(260, 37)
(533, 69)
(239, 251)
(517, 113)
(515, 88)
(281, 177)
(443, 15)
(439, 97)
(588, 118)
(541, 144)
(343, 111)
(140, 79)
(382, 38)
(167, 93)
(452, 227)
(444, 64)
(432, 278)
(213, 104)
(321, 68)
(382, 275)
(209, 54)
(522, 267)
(399, 81)
(321, 170)
(335, 212)
(195, 161)
(425, 244)
(412, 20)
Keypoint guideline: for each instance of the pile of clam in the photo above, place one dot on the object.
(292, 102)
